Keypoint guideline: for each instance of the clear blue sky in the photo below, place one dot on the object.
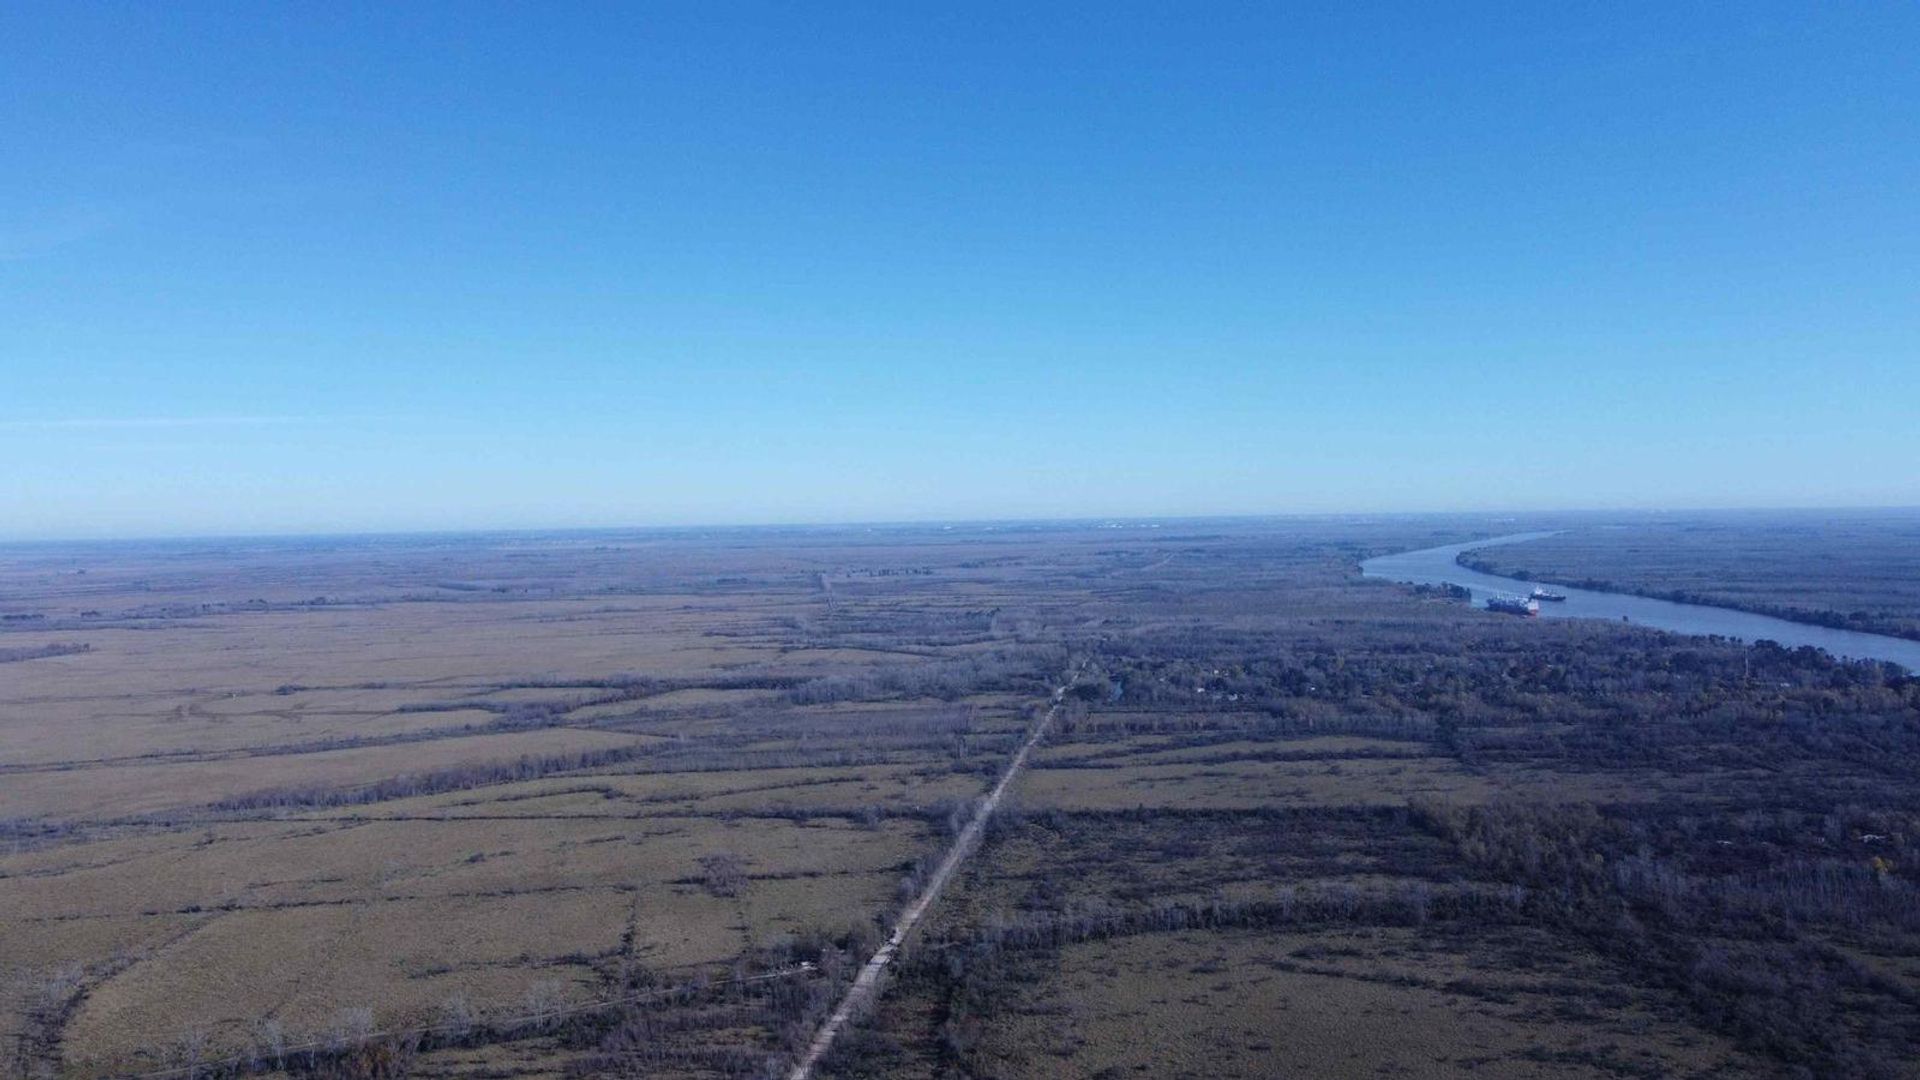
(295, 267)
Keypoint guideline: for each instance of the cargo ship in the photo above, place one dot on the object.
(1543, 594)
(1514, 605)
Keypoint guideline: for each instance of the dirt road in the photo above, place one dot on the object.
(861, 993)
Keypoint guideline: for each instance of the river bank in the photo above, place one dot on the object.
(1441, 566)
(1859, 572)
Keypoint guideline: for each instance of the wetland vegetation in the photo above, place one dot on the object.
(642, 803)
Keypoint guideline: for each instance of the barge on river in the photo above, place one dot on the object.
(1525, 606)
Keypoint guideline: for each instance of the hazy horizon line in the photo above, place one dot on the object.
(934, 523)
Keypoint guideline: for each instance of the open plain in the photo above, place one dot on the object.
(641, 803)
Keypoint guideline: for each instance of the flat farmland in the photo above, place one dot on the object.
(289, 790)
(641, 804)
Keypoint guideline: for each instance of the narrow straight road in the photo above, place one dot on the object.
(867, 983)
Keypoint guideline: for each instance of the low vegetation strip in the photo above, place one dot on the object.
(464, 777)
(368, 1051)
(40, 652)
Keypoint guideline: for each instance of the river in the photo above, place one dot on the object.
(1436, 566)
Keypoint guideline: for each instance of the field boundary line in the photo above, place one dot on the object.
(453, 1030)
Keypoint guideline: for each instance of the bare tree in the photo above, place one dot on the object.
(43, 1005)
(723, 873)
(457, 1018)
(190, 1050)
(270, 1043)
(542, 1000)
(352, 1028)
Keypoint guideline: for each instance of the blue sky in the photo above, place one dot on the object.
(320, 267)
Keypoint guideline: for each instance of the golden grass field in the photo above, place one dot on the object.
(183, 922)
(295, 790)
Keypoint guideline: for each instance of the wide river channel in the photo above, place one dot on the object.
(1436, 566)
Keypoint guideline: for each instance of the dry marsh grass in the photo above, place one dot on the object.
(122, 790)
(1241, 1004)
(1290, 823)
